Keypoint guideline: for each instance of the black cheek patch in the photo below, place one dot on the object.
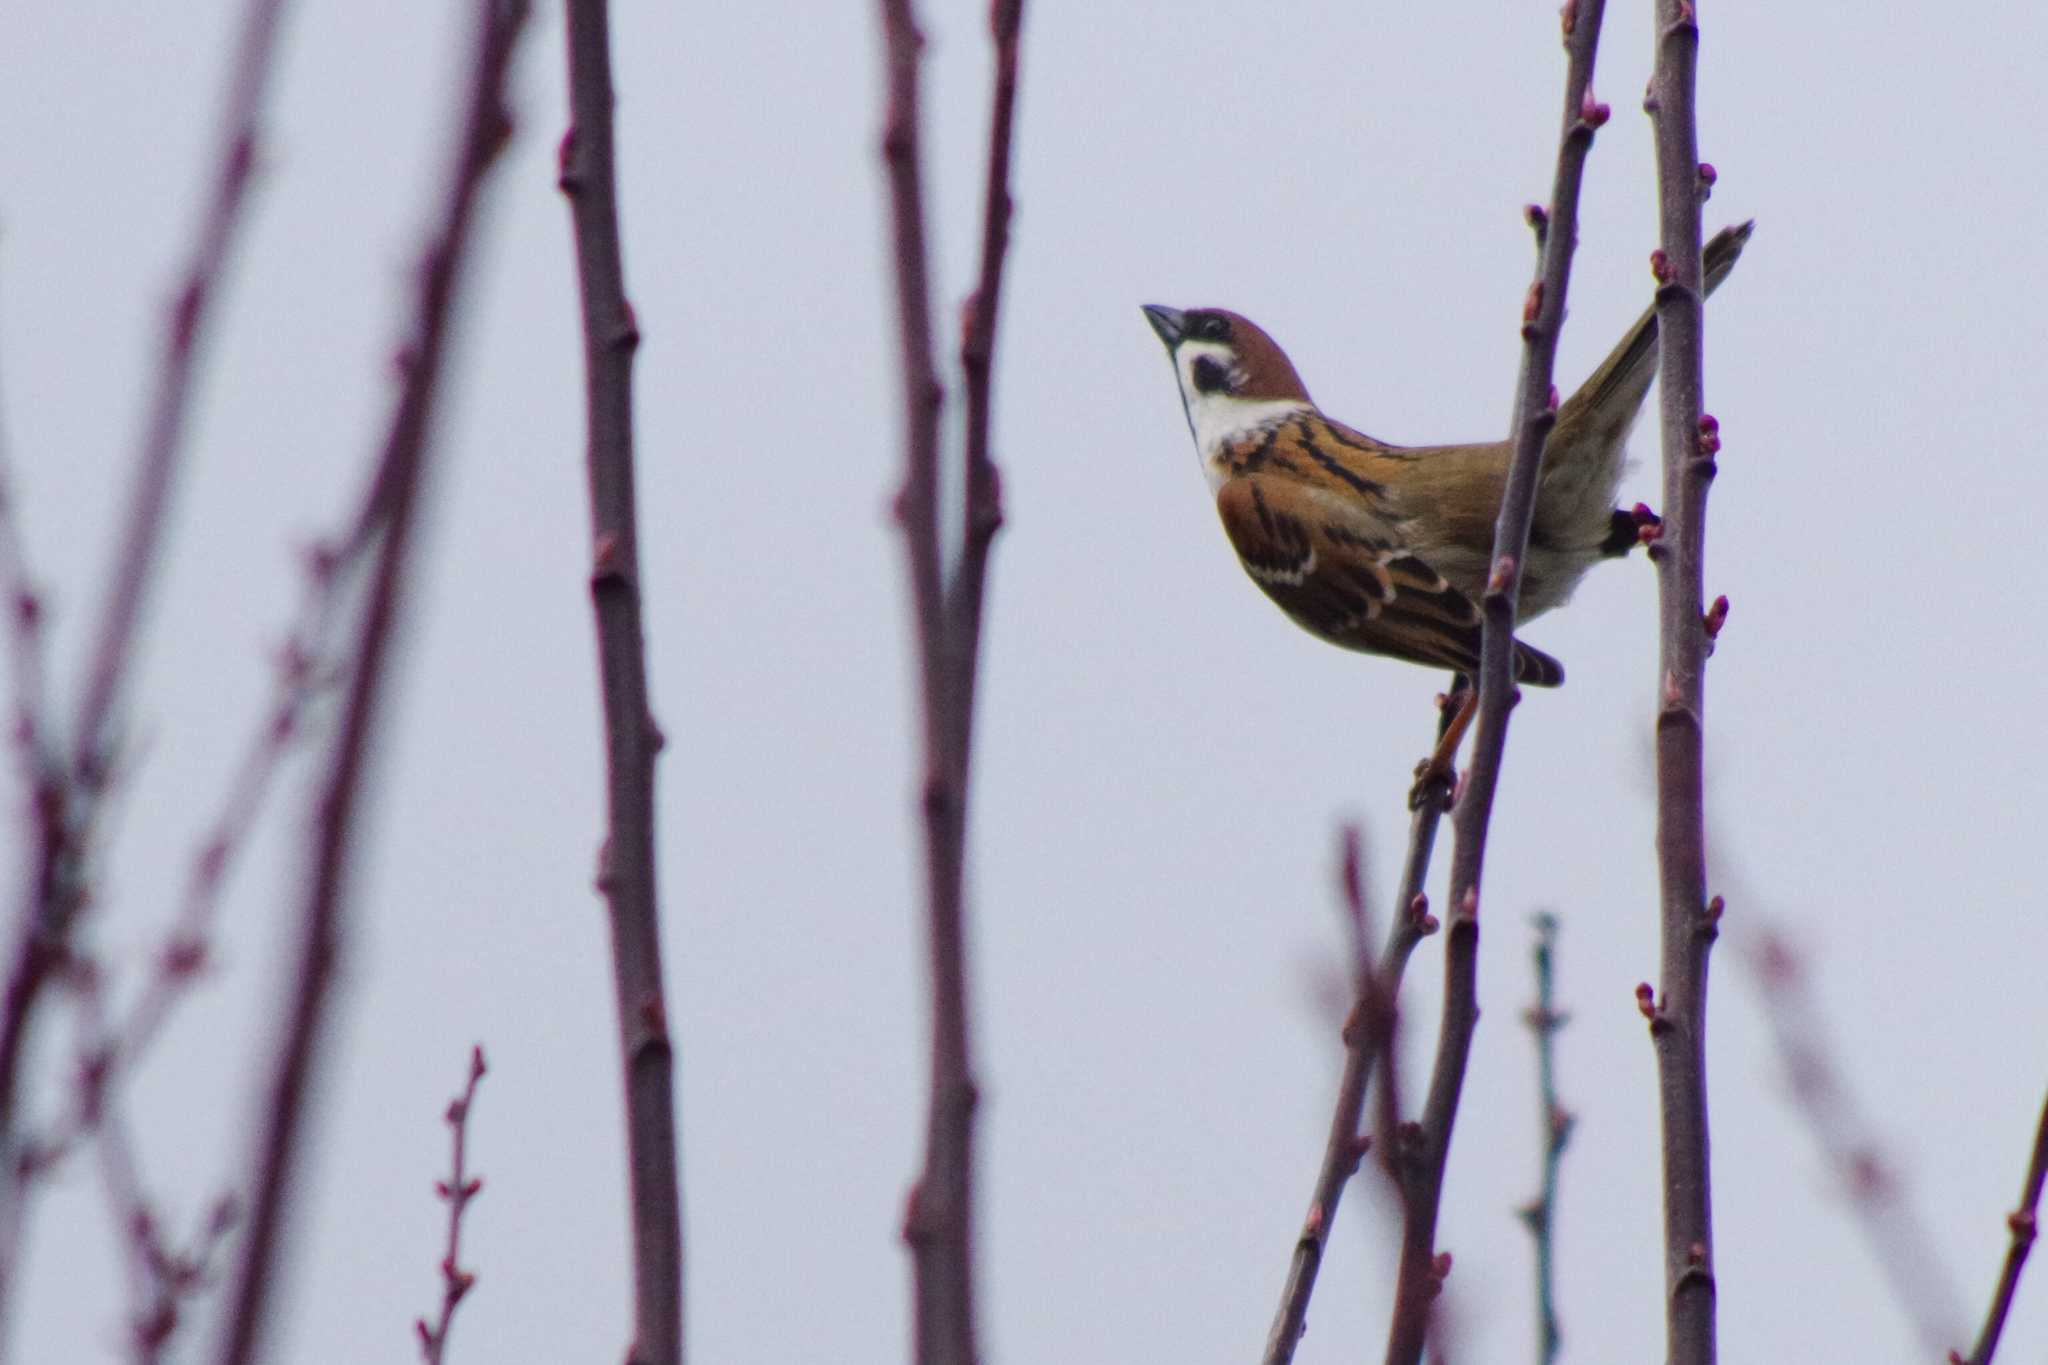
(1210, 375)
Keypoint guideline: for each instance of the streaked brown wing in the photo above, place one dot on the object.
(1352, 583)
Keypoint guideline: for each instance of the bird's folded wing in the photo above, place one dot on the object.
(1349, 580)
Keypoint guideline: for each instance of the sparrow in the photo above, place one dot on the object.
(1384, 548)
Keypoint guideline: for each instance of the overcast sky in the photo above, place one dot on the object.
(1163, 757)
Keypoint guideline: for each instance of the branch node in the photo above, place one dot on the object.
(625, 332)
(568, 172)
(1716, 616)
(1710, 919)
(1419, 916)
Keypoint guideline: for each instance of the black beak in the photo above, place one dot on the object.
(1170, 323)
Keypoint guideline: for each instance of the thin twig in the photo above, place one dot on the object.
(162, 1278)
(163, 435)
(938, 1224)
(456, 1191)
(29, 727)
(303, 674)
(1364, 1048)
(1689, 920)
(1423, 1267)
(2023, 1222)
(66, 796)
(485, 127)
(983, 506)
(1898, 1238)
(1540, 1214)
(627, 876)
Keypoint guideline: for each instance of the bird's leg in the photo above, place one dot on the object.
(1436, 777)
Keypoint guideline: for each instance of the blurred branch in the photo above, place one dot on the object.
(304, 671)
(1368, 1041)
(157, 465)
(2023, 1222)
(162, 1278)
(611, 335)
(1540, 1215)
(456, 1191)
(938, 1225)
(1689, 921)
(29, 730)
(485, 127)
(64, 797)
(1891, 1226)
(1422, 1267)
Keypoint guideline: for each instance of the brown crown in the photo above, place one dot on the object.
(1268, 373)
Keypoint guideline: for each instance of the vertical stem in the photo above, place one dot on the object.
(611, 335)
(1678, 1019)
(1422, 1267)
(1540, 1216)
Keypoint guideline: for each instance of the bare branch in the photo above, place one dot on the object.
(485, 126)
(938, 1224)
(162, 1277)
(2023, 1222)
(1821, 1095)
(456, 1191)
(1689, 921)
(1423, 1267)
(1368, 1041)
(611, 336)
(982, 512)
(64, 796)
(1540, 1214)
(29, 725)
(163, 435)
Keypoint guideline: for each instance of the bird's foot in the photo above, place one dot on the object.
(1630, 527)
(1436, 777)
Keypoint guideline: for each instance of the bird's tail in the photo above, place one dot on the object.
(1606, 403)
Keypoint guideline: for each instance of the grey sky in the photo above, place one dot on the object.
(1163, 756)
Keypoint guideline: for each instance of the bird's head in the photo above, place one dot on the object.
(1234, 378)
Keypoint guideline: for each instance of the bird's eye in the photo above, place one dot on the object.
(1213, 328)
(1210, 375)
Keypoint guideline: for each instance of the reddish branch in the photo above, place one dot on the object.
(456, 1191)
(2023, 1222)
(1422, 1267)
(1689, 922)
(1368, 1041)
(984, 496)
(29, 725)
(938, 1224)
(163, 1277)
(484, 129)
(1877, 1194)
(303, 673)
(1540, 1214)
(611, 335)
(65, 793)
